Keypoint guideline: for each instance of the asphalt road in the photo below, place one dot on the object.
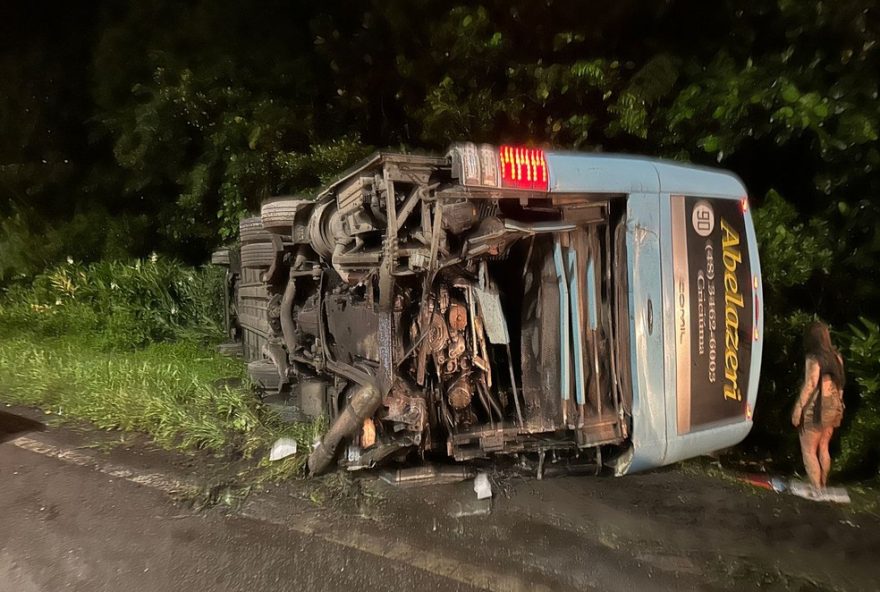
(66, 527)
(80, 517)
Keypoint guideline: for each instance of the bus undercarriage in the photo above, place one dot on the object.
(427, 318)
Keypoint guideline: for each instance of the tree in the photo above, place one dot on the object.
(170, 120)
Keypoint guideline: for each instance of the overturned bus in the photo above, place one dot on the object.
(605, 309)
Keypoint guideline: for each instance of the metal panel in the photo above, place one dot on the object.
(682, 179)
(616, 173)
(647, 331)
(577, 329)
(592, 293)
(494, 322)
(540, 342)
(598, 173)
(564, 324)
(758, 345)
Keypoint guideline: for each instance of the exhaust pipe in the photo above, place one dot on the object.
(363, 404)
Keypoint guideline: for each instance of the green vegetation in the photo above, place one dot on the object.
(118, 304)
(165, 390)
(129, 346)
(859, 445)
(153, 126)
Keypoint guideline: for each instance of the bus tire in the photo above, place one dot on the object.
(277, 215)
(250, 230)
(220, 257)
(257, 255)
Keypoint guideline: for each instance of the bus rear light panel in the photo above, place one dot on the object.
(523, 168)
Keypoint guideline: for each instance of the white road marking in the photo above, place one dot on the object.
(428, 560)
(153, 480)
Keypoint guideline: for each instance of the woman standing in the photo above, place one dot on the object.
(819, 408)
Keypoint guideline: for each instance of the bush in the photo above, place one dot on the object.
(121, 344)
(30, 242)
(796, 261)
(118, 344)
(860, 434)
(121, 304)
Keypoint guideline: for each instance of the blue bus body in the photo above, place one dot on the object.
(509, 301)
(649, 186)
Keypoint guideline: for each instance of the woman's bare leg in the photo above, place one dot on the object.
(824, 454)
(810, 453)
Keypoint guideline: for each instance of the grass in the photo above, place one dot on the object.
(865, 497)
(128, 346)
(164, 390)
(176, 393)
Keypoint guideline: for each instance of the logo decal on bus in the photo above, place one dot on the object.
(703, 218)
(714, 316)
(733, 301)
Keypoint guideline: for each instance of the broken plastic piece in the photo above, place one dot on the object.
(837, 495)
(282, 448)
(778, 484)
(482, 487)
(758, 480)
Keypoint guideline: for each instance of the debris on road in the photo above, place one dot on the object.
(837, 495)
(482, 487)
(282, 448)
(426, 475)
(467, 508)
(764, 481)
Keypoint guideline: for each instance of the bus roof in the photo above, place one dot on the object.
(589, 172)
(579, 172)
